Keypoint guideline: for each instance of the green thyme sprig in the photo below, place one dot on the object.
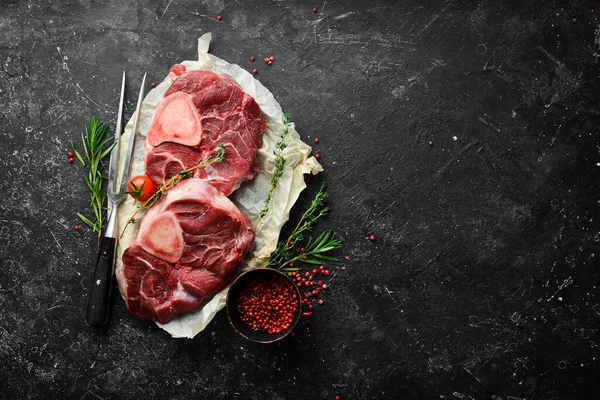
(96, 146)
(174, 180)
(280, 146)
(315, 249)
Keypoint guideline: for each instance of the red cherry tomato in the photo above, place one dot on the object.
(141, 187)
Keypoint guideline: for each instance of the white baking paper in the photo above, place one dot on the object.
(249, 197)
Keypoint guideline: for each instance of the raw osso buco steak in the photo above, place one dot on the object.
(194, 238)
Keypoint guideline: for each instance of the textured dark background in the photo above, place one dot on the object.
(483, 280)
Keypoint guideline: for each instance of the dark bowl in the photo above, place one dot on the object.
(234, 316)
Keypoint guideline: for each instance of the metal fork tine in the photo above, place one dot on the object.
(114, 154)
(136, 119)
(119, 127)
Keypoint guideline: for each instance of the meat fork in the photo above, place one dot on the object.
(104, 272)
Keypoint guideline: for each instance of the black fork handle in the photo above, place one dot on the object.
(99, 301)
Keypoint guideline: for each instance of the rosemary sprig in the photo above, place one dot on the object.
(315, 249)
(174, 180)
(280, 145)
(96, 145)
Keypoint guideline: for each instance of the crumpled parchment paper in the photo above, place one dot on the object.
(249, 197)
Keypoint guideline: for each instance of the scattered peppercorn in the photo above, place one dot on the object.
(313, 279)
(337, 398)
(153, 84)
(266, 60)
(269, 62)
(316, 140)
(70, 154)
(252, 58)
(255, 71)
(272, 58)
(318, 156)
(334, 163)
(71, 160)
(431, 143)
(315, 10)
(219, 18)
(76, 227)
(372, 238)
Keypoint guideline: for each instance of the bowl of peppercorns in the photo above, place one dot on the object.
(263, 305)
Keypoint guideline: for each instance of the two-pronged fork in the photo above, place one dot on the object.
(99, 301)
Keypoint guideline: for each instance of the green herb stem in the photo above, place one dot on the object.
(280, 146)
(314, 253)
(315, 249)
(97, 145)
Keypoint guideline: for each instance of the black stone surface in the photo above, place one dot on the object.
(482, 282)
